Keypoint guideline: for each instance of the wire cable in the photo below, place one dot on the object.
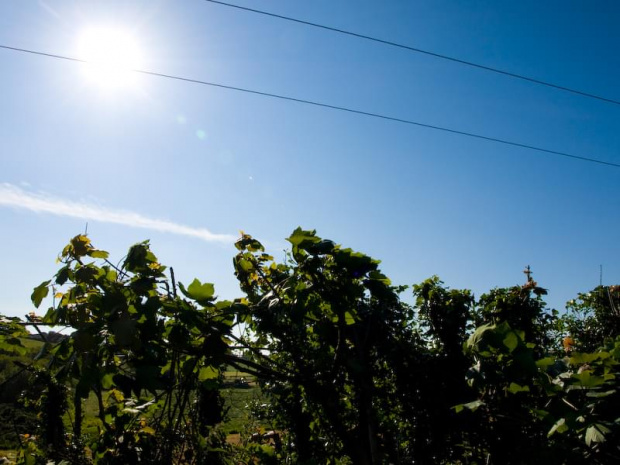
(425, 52)
(333, 107)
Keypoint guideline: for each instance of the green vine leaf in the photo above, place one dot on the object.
(198, 291)
(560, 426)
(40, 292)
(206, 373)
(596, 434)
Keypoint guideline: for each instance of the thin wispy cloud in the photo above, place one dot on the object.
(16, 197)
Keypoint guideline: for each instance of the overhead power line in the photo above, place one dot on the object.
(332, 107)
(422, 51)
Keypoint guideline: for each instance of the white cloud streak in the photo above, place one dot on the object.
(16, 197)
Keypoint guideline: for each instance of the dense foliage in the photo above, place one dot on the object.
(350, 372)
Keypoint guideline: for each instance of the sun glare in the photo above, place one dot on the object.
(111, 55)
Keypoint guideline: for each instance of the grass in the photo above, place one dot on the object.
(238, 402)
(31, 344)
(240, 392)
(238, 424)
(9, 454)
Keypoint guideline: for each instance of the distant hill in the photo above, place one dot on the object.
(51, 336)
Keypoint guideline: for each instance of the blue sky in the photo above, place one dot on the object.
(188, 166)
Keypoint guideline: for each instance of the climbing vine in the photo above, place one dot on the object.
(350, 373)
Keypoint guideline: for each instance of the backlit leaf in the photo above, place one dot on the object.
(198, 291)
(208, 373)
(39, 293)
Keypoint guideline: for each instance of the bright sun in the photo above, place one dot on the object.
(111, 55)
